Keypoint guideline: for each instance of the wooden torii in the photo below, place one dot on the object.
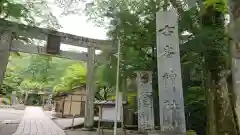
(52, 40)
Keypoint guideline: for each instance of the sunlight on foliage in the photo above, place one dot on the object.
(73, 76)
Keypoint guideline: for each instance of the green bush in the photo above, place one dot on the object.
(6, 101)
(191, 132)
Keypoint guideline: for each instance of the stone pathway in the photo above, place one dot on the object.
(36, 122)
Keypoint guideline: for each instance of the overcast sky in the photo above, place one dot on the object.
(77, 25)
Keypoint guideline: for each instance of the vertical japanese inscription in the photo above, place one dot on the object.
(169, 76)
(168, 51)
(175, 115)
(145, 103)
(167, 30)
(167, 116)
(172, 117)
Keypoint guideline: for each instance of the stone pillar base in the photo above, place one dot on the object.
(157, 132)
(88, 129)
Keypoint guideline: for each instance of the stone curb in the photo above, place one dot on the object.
(5, 106)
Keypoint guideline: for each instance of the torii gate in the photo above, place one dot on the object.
(53, 40)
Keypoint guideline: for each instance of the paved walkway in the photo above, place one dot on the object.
(36, 122)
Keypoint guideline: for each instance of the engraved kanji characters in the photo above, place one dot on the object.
(168, 51)
(145, 109)
(167, 30)
(171, 115)
(169, 76)
(175, 114)
(144, 78)
(169, 72)
(167, 116)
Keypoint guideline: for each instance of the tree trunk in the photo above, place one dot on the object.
(224, 114)
(219, 109)
(232, 101)
(234, 31)
(211, 119)
(124, 88)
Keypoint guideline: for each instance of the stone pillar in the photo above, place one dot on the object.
(145, 101)
(90, 91)
(14, 100)
(172, 117)
(43, 100)
(5, 42)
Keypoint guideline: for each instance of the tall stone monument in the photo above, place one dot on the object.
(172, 118)
(145, 101)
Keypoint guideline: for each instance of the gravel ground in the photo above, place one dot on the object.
(8, 129)
(105, 132)
(9, 115)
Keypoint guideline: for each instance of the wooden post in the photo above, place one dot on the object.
(70, 108)
(5, 42)
(42, 100)
(80, 105)
(99, 118)
(73, 117)
(63, 105)
(90, 91)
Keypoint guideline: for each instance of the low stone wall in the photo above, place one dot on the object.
(19, 107)
(48, 107)
(5, 106)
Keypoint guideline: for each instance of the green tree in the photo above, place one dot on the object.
(36, 75)
(105, 83)
(233, 31)
(38, 68)
(204, 52)
(73, 76)
(29, 12)
(12, 80)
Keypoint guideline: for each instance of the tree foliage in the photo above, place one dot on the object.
(73, 76)
(28, 12)
(204, 55)
(204, 48)
(37, 73)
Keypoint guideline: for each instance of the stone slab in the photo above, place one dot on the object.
(36, 122)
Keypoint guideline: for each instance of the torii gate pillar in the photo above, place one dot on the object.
(90, 91)
(5, 42)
